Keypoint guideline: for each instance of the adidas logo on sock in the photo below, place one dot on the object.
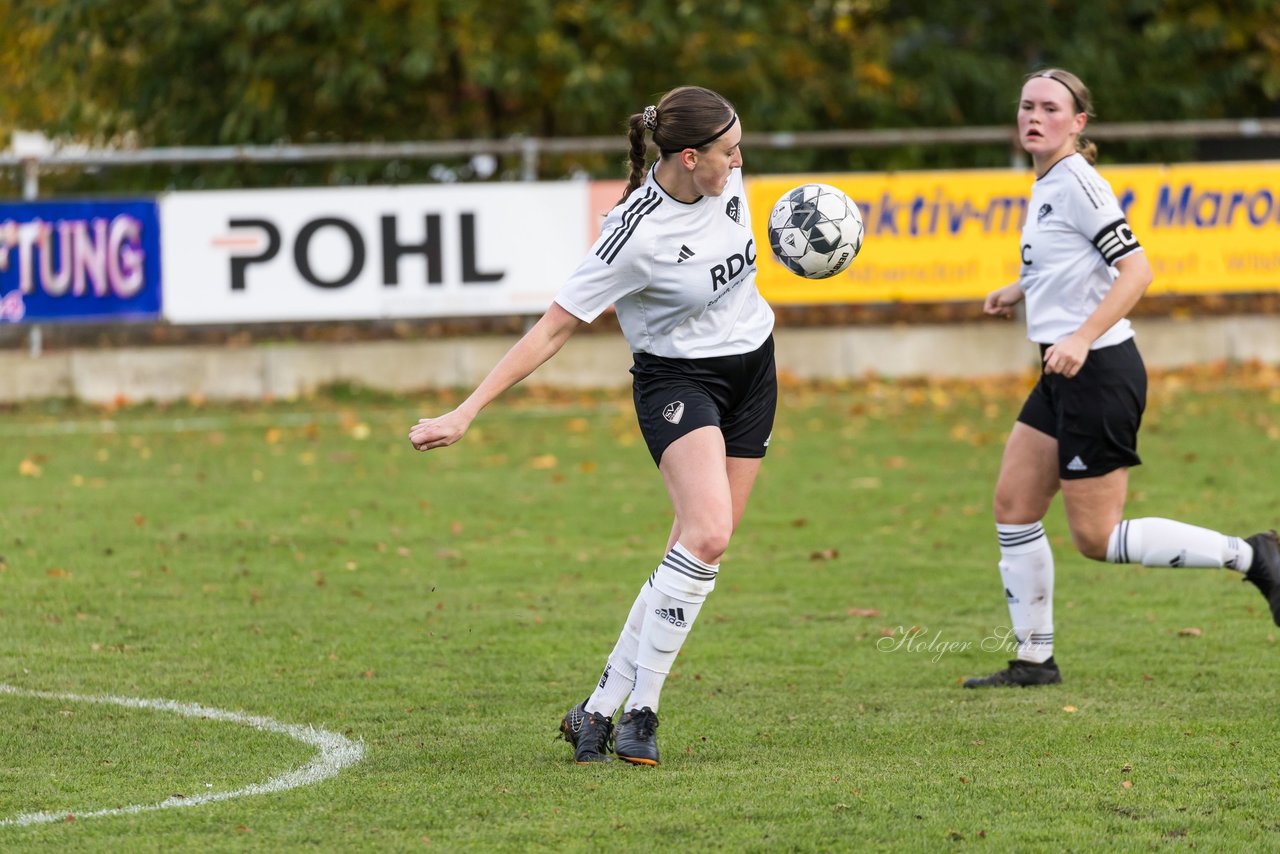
(1008, 594)
(674, 616)
(1077, 464)
(685, 254)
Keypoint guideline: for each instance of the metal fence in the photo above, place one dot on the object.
(530, 150)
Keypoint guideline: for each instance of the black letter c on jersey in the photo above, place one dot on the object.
(1025, 259)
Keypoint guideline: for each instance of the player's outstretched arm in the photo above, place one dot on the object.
(1001, 301)
(538, 345)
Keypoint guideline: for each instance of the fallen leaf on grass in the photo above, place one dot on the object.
(1127, 784)
(29, 468)
(1070, 709)
(863, 612)
(543, 461)
(1190, 632)
(825, 554)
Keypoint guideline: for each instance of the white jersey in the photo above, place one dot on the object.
(1074, 234)
(681, 275)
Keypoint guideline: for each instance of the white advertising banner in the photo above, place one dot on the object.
(370, 252)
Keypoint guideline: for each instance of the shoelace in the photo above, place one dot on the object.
(596, 737)
(646, 724)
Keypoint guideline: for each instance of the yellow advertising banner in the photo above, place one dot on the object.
(937, 236)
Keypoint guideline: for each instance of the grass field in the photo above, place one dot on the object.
(302, 563)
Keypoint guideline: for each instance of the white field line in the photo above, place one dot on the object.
(336, 752)
(201, 424)
(164, 425)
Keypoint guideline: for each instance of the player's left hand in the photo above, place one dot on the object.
(1066, 357)
(440, 432)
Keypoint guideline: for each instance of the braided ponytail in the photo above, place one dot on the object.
(635, 156)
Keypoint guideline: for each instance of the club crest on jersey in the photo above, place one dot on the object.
(1045, 210)
(734, 210)
(673, 412)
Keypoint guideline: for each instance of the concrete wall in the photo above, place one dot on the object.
(587, 361)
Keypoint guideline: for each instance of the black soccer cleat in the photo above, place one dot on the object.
(589, 734)
(1019, 674)
(636, 739)
(1264, 572)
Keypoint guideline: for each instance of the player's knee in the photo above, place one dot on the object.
(708, 543)
(1016, 509)
(1091, 544)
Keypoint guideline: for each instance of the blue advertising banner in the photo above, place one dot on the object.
(96, 260)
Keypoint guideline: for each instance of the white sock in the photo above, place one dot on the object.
(678, 587)
(619, 675)
(1026, 567)
(1166, 543)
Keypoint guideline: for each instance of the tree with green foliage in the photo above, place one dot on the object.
(224, 72)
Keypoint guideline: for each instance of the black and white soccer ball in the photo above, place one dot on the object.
(815, 231)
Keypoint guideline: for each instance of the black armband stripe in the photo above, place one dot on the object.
(1115, 241)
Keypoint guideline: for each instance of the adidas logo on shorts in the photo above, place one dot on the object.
(1077, 464)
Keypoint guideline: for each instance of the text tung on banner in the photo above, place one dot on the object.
(77, 260)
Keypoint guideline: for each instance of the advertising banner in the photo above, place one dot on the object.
(92, 260)
(365, 253)
(937, 236)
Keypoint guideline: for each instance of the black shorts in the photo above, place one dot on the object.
(738, 394)
(1096, 414)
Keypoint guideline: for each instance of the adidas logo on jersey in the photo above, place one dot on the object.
(673, 412)
(1077, 464)
(685, 254)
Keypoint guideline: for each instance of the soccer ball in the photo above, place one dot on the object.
(815, 230)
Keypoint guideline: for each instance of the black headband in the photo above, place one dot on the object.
(733, 121)
(1048, 75)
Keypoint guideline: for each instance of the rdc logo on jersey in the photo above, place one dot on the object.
(674, 412)
(734, 210)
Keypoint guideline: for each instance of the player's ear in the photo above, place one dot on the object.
(689, 158)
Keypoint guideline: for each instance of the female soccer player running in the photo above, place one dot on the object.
(677, 260)
(1082, 271)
